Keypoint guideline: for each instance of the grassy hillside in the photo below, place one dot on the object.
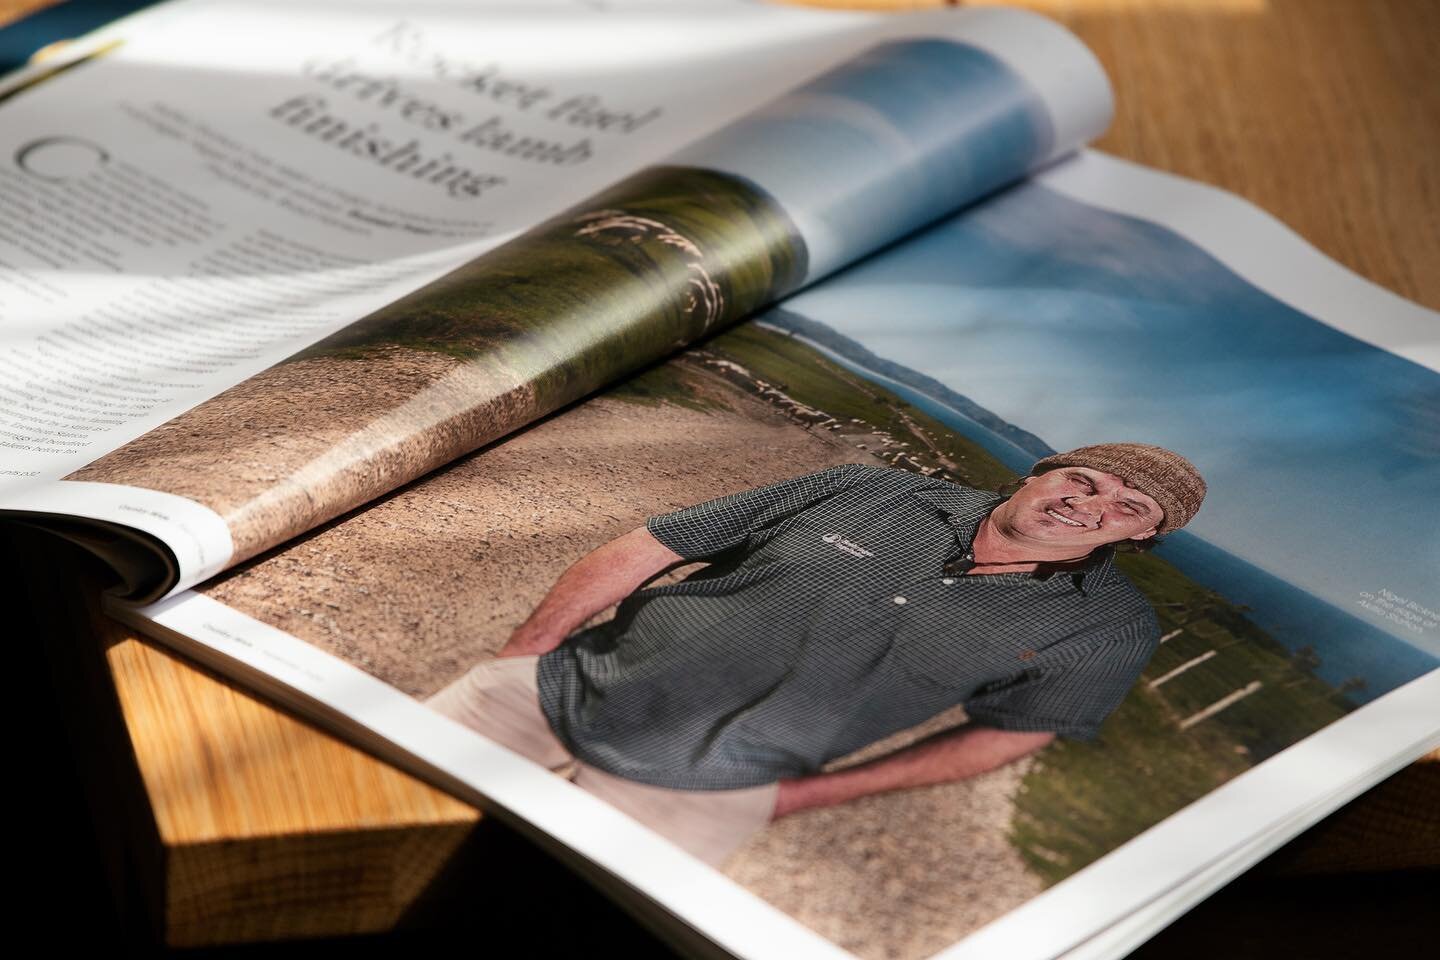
(657, 260)
(1079, 800)
(799, 372)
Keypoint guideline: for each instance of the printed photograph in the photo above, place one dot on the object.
(927, 589)
(890, 536)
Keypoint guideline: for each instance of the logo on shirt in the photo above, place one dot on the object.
(846, 546)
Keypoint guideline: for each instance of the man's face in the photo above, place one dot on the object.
(1078, 507)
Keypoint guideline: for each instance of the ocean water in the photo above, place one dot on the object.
(1347, 646)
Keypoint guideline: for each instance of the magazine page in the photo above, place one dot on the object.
(1064, 557)
(293, 183)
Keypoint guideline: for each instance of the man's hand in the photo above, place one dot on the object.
(595, 582)
(953, 755)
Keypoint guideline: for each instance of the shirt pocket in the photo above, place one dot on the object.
(935, 640)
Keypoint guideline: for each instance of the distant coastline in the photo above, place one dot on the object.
(856, 354)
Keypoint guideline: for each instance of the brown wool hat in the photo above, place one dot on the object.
(1168, 478)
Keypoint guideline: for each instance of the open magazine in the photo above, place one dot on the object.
(784, 317)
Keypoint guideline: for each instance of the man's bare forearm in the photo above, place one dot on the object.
(954, 755)
(595, 582)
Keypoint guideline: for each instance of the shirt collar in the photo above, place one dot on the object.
(1095, 572)
(965, 507)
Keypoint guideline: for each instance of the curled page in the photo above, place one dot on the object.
(900, 121)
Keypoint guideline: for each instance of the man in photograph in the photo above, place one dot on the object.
(833, 610)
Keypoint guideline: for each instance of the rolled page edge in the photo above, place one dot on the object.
(1054, 62)
(197, 538)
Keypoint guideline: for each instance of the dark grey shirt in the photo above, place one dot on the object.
(825, 622)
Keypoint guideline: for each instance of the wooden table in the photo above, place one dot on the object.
(236, 822)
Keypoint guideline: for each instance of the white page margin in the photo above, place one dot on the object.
(1257, 247)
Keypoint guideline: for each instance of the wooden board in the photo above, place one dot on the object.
(249, 825)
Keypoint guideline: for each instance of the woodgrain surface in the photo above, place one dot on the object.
(1325, 113)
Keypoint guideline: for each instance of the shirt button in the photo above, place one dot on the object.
(901, 600)
(948, 580)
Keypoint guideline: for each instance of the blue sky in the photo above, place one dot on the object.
(1322, 453)
(884, 143)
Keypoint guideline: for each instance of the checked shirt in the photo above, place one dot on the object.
(823, 622)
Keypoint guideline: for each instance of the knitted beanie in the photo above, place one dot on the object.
(1167, 478)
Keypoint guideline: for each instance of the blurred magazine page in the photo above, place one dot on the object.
(1103, 328)
(209, 187)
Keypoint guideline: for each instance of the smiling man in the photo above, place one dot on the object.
(834, 610)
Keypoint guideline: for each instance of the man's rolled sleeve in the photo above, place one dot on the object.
(1072, 698)
(710, 528)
